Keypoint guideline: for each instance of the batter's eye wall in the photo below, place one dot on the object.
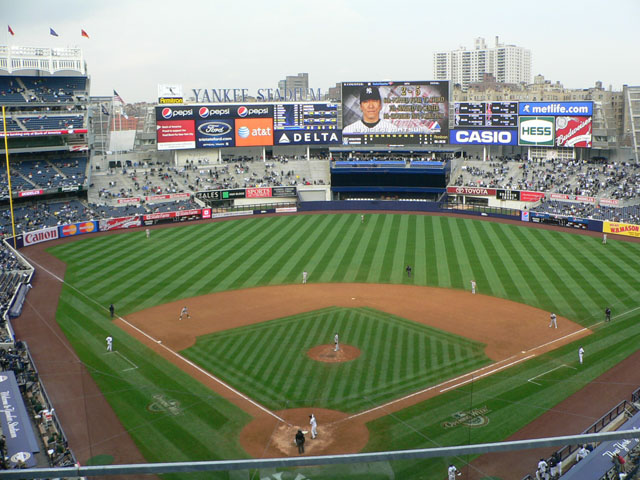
(387, 178)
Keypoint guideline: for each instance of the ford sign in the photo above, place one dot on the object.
(214, 129)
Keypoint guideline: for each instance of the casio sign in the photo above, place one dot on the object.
(169, 113)
(486, 137)
(214, 129)
(205, 112)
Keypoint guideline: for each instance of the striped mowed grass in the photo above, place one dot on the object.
(398, 357)
(573, 275)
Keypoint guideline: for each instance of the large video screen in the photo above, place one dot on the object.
(395, 113)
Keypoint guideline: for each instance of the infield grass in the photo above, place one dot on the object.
(575, 276)
(398, 357)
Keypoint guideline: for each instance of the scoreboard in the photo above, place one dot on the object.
(305, 116)
(486, 115)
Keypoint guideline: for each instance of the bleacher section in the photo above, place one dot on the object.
(45, 174)
(55, 122)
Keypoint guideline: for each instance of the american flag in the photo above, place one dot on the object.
(118, 97)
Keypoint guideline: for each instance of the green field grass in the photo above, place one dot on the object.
(398, 357)
(573, 275)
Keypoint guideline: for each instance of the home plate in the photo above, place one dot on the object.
(353, 298)
(523, 351)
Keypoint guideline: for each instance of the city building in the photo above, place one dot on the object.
(507, 64)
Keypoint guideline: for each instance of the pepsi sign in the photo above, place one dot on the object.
(483, 137)
(206, 112)
(174, 113)
(215, 133)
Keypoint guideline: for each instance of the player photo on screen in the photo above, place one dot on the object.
(394, 107)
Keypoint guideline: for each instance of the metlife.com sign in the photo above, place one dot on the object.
(556, 109)
(483, 137)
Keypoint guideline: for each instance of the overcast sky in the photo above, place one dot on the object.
(134, 45)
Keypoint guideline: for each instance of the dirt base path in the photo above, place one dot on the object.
(479, 317)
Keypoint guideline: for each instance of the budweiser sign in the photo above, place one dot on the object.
(38, 236)
(488, 192)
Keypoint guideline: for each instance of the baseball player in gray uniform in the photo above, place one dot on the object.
(553, 322)
(370, 105)
(336, 341)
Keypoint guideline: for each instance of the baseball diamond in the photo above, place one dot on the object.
(237, 376)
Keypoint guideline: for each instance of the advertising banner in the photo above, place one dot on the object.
(554, 109)
(167, 197)
(254, 132)
(30, 193)
(176, 134)
(395, 113)
(283, 191)
(43, 133)
(573, 132)
(609, 201)
(20, 440)
(125, 201)
(625, 229)
(508, 194)
(43, 235)
(531, 196)
(264, 192)
(538, 131)
(119, 223)
(477, 191)
(326, 137)
(306, 124)
(484, 137)
(215, 133)
(78, 228)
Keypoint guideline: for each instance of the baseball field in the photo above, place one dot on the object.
(424, 363)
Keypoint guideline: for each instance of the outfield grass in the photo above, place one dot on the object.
(398, 357)
(573, 275)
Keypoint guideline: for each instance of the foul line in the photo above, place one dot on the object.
(134, 366)
(487, 373)
(433, 387)
(544, 373)
(157, 342)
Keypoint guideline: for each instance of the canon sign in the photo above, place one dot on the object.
(43, 235)
(483, 137)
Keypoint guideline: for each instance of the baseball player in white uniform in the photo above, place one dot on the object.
(553, 322)
(580, 354)
(109, 340)
(361, 218)
(370, 105)
(184, 312)
(473, 287)
(148, 232)
(314, 426)
(452, 471)
(541, 472)
(304, 276)
(336, 341)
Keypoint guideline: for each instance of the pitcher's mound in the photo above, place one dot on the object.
(327, 353)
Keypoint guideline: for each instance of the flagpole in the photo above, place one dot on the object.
(6, 151)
